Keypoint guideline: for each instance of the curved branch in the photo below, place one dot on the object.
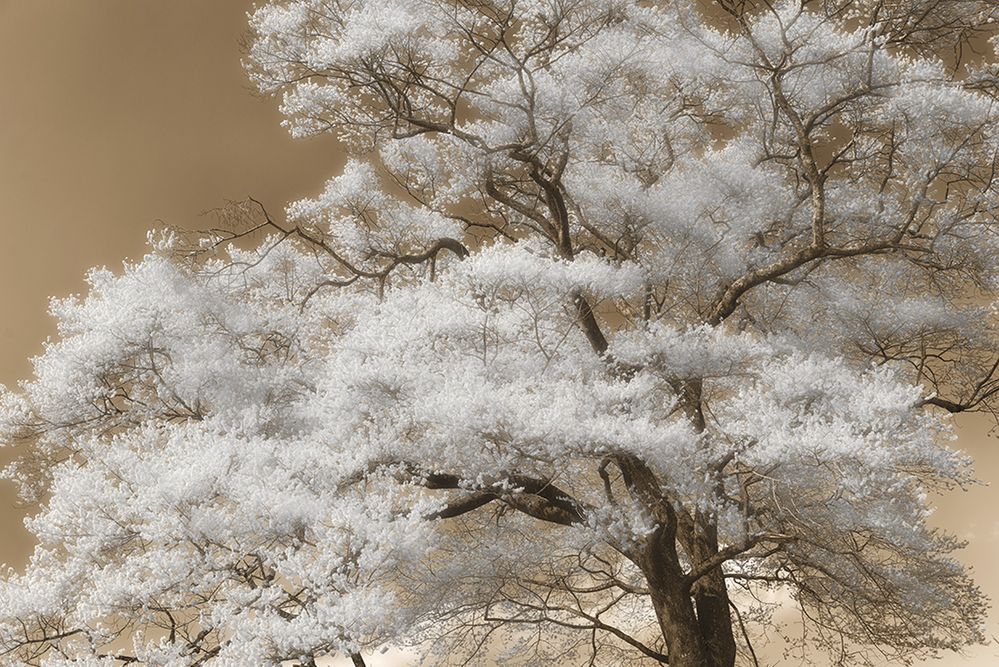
(453, 245)
(536, 497)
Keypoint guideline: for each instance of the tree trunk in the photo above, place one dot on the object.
(710, 593)
(695, 620)
(711, 598)
(697, 628)
(715, 620)
(677, 621)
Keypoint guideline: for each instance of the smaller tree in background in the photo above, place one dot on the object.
(627, 325)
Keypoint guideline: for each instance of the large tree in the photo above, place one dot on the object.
(627, 325)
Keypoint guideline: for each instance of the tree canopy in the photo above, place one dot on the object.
(626, 326)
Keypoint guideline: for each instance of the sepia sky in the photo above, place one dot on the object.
(117, 113)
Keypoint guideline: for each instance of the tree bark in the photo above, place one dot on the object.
(696, 626)
(659, 561)
(672, 603)
(701, 543)
(711, 601)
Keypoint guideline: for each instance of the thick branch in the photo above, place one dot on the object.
(728, 298)
(538, 498)
(463, 505)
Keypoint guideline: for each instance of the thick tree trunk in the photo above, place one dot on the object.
(679, 628)
(695, 620)
(701, 543)
(711, 599)
(671, 599)
(697, 628)
(715, 621)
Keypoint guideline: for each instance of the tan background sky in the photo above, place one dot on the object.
(117, 113)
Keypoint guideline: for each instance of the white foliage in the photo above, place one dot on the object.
(597, 271)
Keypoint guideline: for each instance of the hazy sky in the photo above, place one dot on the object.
(115, 114)
(118, 113)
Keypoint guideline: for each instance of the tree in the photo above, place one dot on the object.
(627, 325)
